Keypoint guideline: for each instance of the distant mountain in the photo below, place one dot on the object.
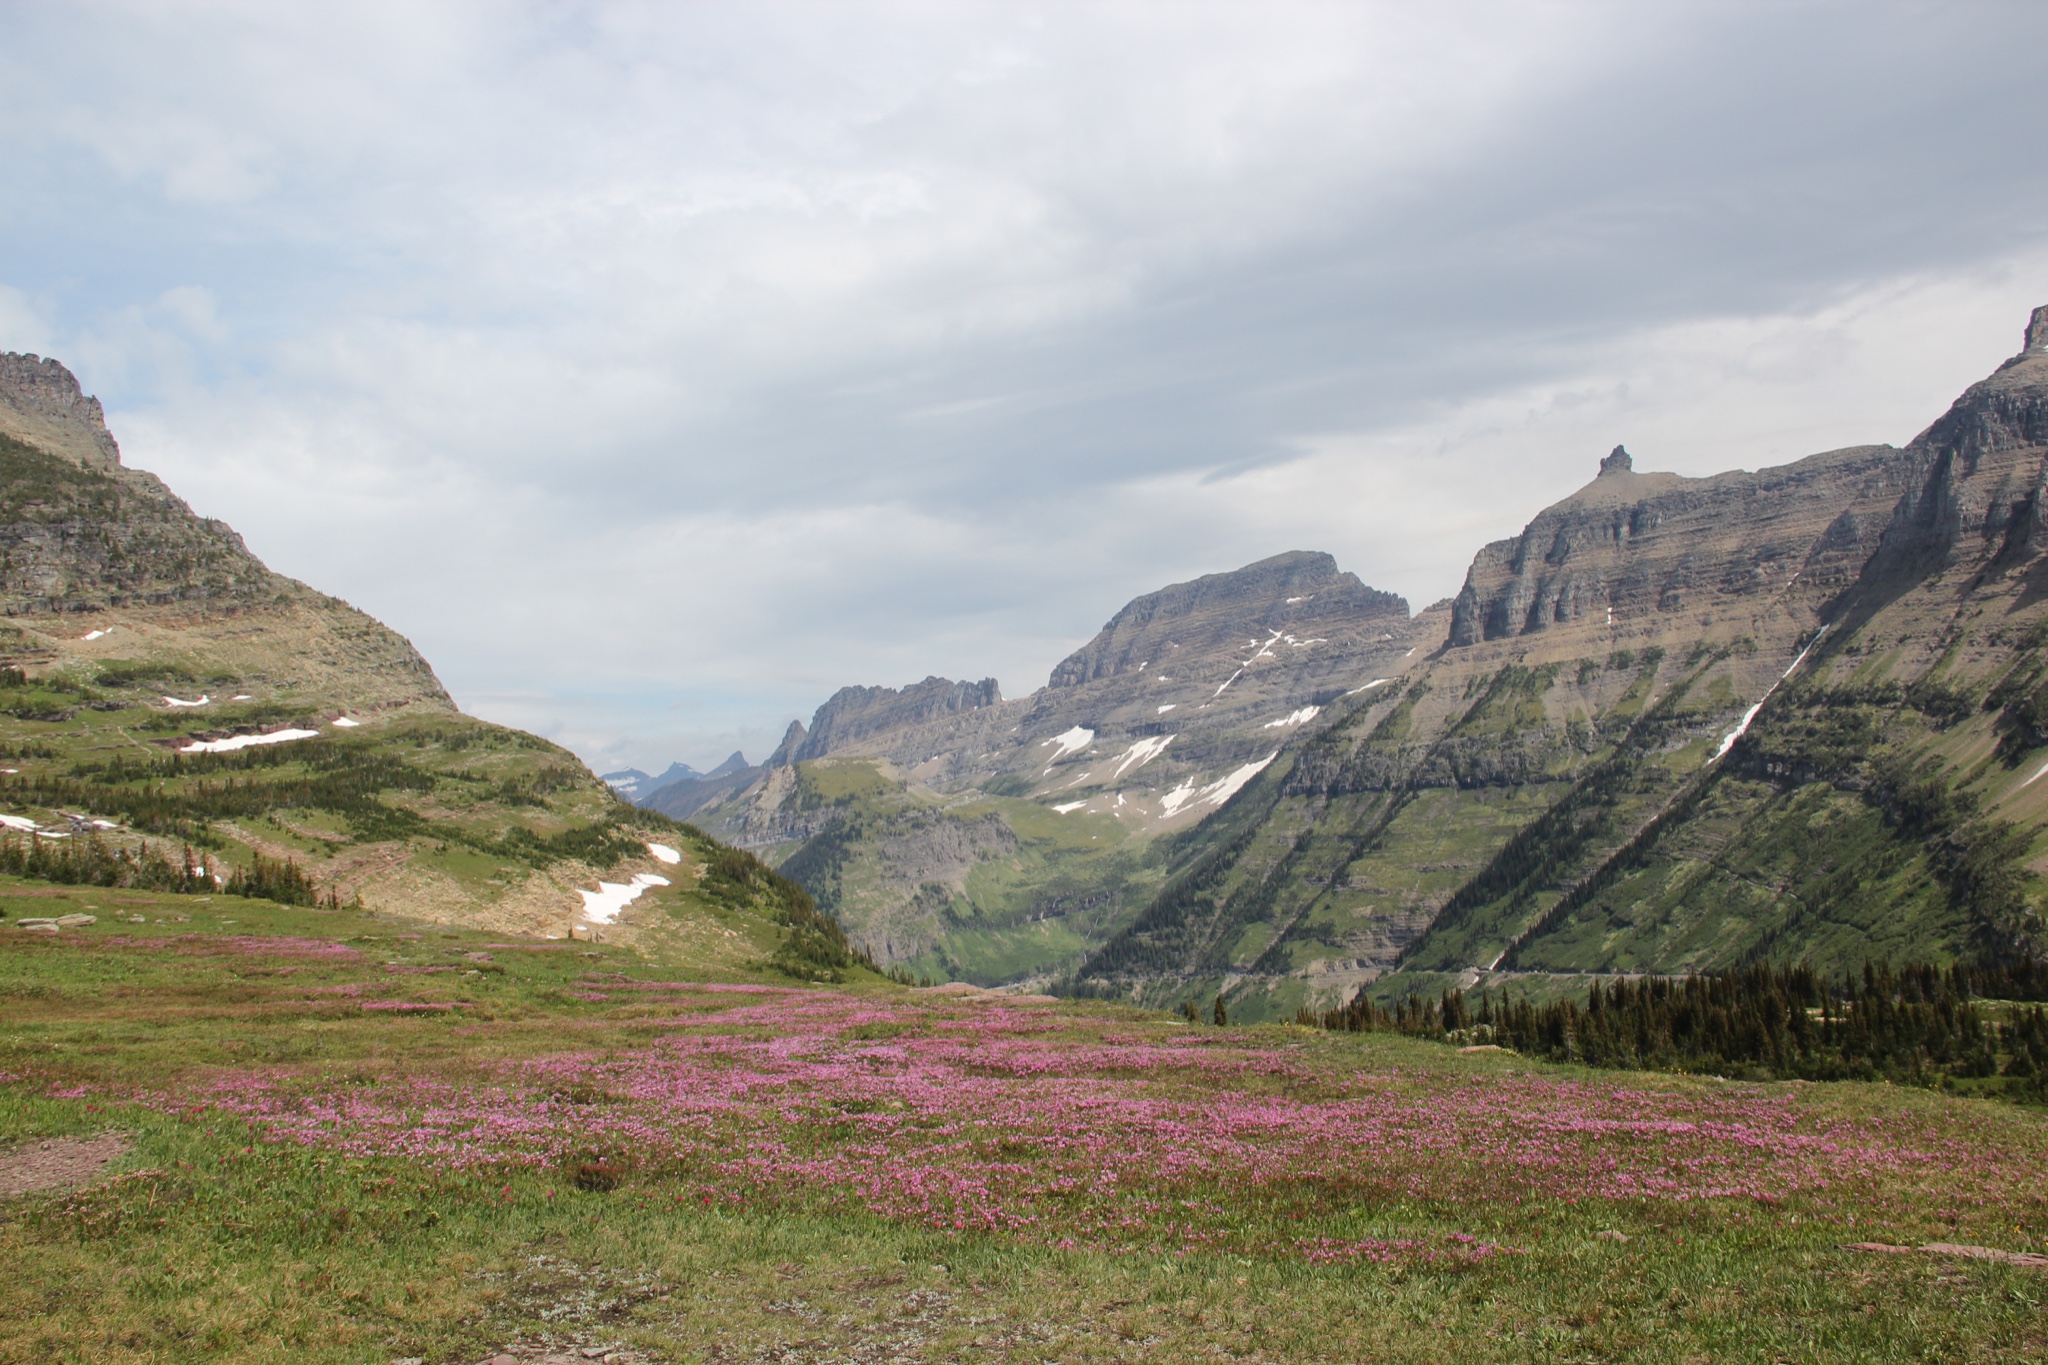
(1675, 724)
(626, 781)
(969, 834)
(639, 788)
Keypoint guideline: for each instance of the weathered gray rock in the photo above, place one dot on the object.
(42, 405)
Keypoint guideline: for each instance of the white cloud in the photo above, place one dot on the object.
(659, 369)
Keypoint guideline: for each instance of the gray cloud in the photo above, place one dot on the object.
(660, 369)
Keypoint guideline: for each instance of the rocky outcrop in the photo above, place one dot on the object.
(1980, 473)
(82, 534)
(1302, 591)
(854, 713)
(42, 404)
(1643, 553)
(792, 740)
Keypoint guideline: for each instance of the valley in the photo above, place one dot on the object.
(1675, 725)
(338, 1025)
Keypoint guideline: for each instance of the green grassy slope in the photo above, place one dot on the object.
(971, 887)
(343, 1138)
(175, 717)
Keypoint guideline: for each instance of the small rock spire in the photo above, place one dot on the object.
(1618, 461)
(2037, 331)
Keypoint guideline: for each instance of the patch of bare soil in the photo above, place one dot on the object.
(57, 1163)
(2029, 1259)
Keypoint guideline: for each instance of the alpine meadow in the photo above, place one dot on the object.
(1636, 955)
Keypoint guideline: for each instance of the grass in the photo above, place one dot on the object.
(358, 1139)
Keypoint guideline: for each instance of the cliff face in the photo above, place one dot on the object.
(1652, 553)
(1978, 475)
(1677, 724)
(100, 561)
(853, 714)
(42, 405)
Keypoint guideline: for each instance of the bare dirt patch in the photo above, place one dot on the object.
(58, 1163)
(2029, 1259)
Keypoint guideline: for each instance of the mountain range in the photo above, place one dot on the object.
(1676, 724)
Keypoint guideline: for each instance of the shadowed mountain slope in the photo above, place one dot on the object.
(1676, 724)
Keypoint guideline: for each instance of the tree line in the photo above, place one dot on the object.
(1917, 1025)
(90, 862)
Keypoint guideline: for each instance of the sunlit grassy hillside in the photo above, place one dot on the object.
(357, 1139)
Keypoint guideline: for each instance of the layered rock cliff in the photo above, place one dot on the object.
(99, 561)
(1675, 724)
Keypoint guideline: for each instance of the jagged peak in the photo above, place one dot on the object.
(43, 405)
(785, 752)
(2037, 332)
(1618, 461)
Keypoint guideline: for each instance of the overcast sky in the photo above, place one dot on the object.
(659, 369)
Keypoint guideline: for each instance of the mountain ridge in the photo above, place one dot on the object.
(1598, 687)
(176, 716)
(1702, 707)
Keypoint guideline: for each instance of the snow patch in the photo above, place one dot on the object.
(1301, 717)
(1728, 740)
(18, 822)
(1168, 707)
(1070, 806)
(1187, 795)
(1292, 600)
(1141, 753)
(243, 696)
(345, 723)
(1376, 682)
(665, 853)
(1071, 742)
(1226, 682)
(94, 634)
(173, 701)
(234, 742)
(603, 905)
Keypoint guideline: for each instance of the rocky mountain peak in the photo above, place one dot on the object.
(1618, 461)
(854, 713)
(41, 404)
(792, 741)
(1219, 611)
(2037, 331)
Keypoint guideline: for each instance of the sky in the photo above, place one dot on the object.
(659, 369)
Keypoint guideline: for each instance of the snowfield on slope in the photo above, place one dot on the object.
(234, 742)
(1188, 796)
